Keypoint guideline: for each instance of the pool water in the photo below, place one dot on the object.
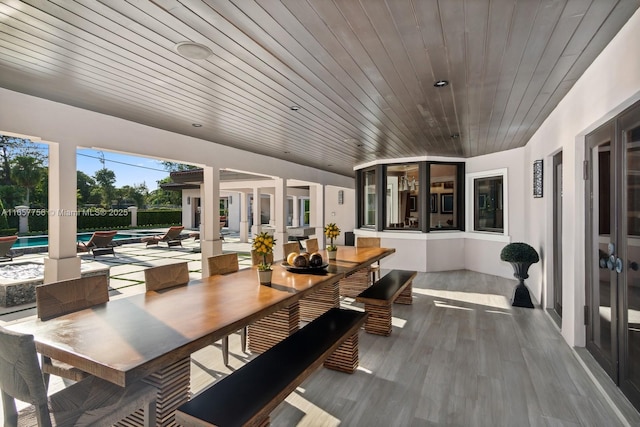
(38, 241)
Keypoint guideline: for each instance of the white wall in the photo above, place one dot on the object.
(343, 215)
(610, 84)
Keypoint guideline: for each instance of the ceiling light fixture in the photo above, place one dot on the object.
(192, 50)
(294, 108)
(441, 83)
(455, 135)
(196, 125)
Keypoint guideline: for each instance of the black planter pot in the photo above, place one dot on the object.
(521, 296)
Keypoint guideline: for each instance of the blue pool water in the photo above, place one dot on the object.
(38, 241)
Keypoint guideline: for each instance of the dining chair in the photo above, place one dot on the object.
(312, 245)
(59, 298)
(370, 242)
(220, 265)
(258, 259)
(166, 276)
(287, 248)
(90, 402)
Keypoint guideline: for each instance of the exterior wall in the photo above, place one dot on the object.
(188, 207)
(610, 84)
(233, 216)
(342, 214)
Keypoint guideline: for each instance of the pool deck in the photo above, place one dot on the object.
(126, 269)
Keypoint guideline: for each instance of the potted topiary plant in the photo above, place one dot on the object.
(332, 231)
(520, 256)
(263, 245)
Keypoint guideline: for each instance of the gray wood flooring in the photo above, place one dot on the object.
(459, 356)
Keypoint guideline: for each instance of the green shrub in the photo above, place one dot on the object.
(157, 217)
(519, 252)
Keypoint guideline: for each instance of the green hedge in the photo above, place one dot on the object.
(103, 219)
(159, 217)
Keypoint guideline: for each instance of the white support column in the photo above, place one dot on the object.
(257, 220)
(63, 262)
(280, 202)
(316, 211)
(295, 215)
(210, 242)
(272, 209)
(244, 217)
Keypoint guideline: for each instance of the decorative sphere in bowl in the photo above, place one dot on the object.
(315, 260)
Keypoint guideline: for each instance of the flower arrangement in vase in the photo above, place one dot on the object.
(263, 245)
(331, 231)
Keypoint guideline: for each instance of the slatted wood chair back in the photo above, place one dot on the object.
(257, 259)
(290, 247)
(21, 377)
(223, 264)
(368, 242)
(59, 298)
(312, 245)
(166, 276)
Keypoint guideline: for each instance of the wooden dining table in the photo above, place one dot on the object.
(151, 336)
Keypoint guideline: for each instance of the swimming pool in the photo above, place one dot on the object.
(132, 236)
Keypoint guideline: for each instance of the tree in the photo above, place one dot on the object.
(86, 185)
(106, 178)
(12, 147)
(136, 194)
(162, 197)
(26, 171)
(177, 167)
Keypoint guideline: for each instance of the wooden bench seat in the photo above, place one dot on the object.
(396, 286)
(247, 396)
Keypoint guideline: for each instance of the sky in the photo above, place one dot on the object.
(129, 170)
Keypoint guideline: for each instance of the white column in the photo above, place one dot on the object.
(63, 262)
(210, 242)
(134, 215)
(272, 209)
(316, 212)
(244, 217)
(280, 202)
(295, 215)
(257, 220)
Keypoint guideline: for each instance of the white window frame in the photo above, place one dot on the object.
(470, 210)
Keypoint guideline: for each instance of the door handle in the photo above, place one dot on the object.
(618, 265)
(611, 262)
(633, 265)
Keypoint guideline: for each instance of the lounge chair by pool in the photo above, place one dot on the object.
(6, 242)
(171, 237)
(101, 243)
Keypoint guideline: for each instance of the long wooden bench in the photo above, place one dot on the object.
(395, 286)
(247, 396)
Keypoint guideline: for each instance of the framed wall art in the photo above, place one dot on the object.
(537, 178)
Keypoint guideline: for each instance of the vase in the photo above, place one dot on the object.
(521, 296)
(264, 277)
(331, 255)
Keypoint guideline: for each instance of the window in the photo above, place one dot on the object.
(444, 193)
(369, 208)
(402, 197)
(488, 201)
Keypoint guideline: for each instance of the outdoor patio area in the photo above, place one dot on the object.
(126, 269)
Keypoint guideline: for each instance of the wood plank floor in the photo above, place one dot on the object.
(459, 356)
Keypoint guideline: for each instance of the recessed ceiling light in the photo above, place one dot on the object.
(441, 83)
(294, 108)
(287, 152)
(455, 135)
(196, 125)
(192, 50)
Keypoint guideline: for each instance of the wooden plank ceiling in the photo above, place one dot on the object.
(362, 72)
